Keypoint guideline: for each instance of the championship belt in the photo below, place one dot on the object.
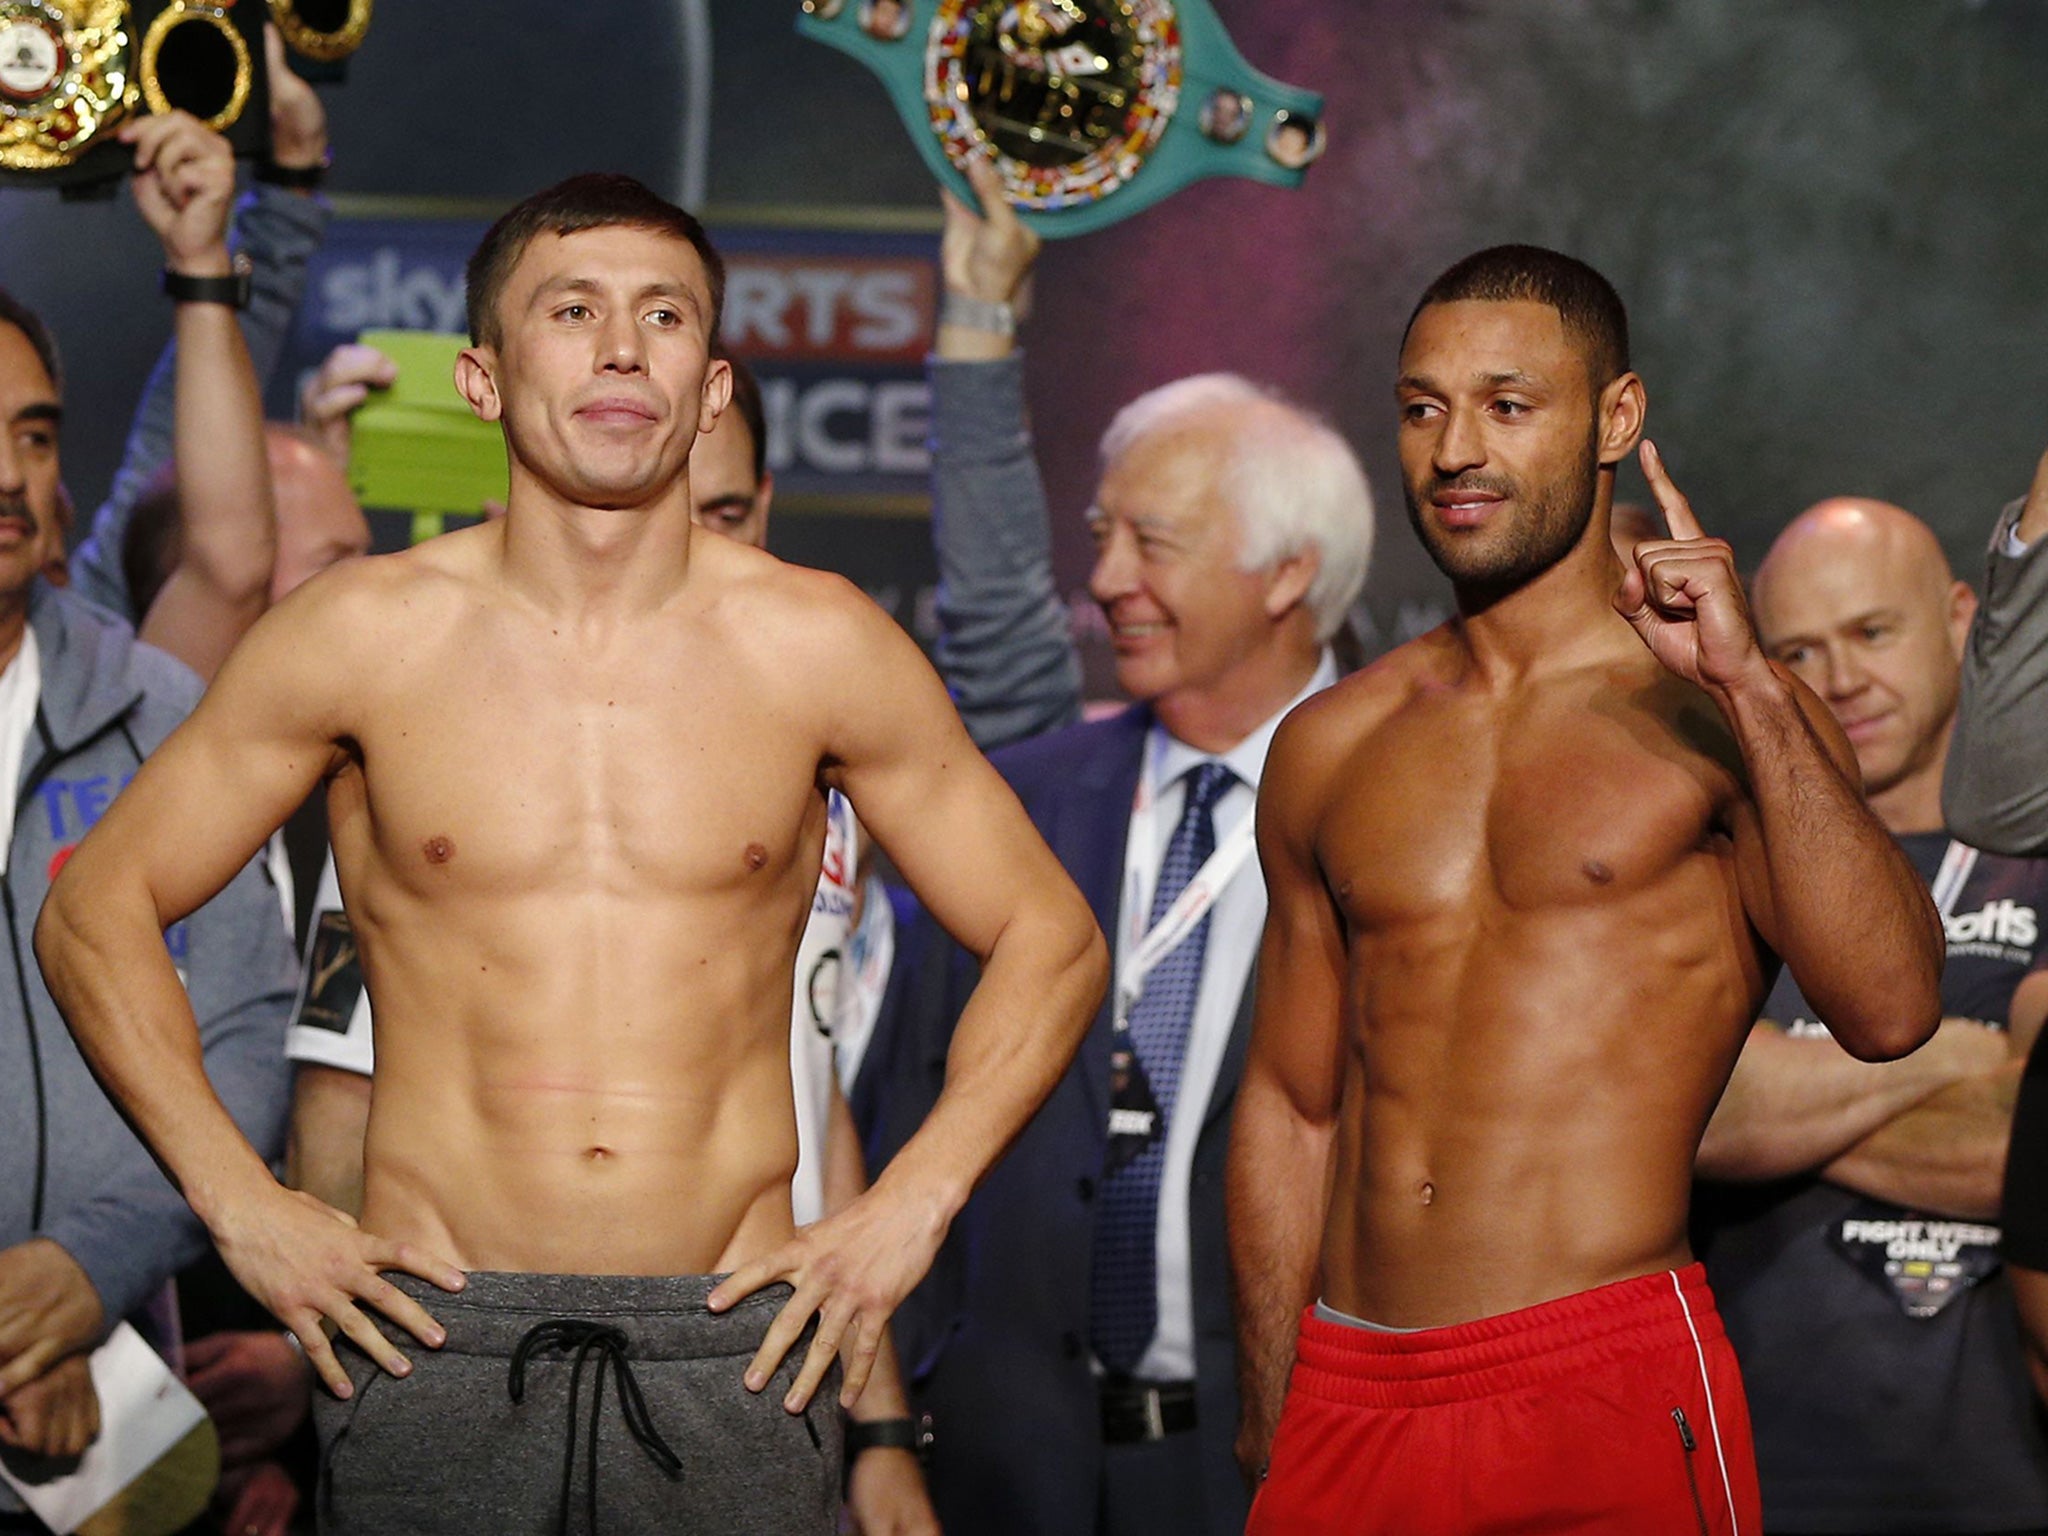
(73, 71)
(1074, 99)
(67, 77)
(326, 30)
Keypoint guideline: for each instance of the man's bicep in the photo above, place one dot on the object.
(930, 799)
(1297, 1030)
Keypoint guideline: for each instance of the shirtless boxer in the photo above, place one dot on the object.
(1531, 875)
(581, 959)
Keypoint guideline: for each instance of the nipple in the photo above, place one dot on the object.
(757, 856)
(1597, 872)
(439, 850)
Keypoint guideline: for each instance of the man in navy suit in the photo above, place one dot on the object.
(1074, 1342)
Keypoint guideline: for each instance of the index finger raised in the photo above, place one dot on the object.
(1678, 513)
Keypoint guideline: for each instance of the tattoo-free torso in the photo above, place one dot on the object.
(1549, 975)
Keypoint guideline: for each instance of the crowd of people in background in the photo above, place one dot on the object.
(1104, 1339)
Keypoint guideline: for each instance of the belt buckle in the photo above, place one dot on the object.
(1155, 1416)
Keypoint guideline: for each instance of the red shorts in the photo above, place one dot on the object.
(1618, 1410)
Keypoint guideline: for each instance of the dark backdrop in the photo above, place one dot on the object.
(1825, 217)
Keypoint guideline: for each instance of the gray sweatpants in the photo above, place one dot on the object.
(447, 1452)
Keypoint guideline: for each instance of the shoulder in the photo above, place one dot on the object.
(362, 602)
(1353, 709)
(794, 607)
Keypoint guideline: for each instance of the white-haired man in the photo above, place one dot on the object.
(1074, 1344)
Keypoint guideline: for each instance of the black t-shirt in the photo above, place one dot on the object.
(2026, 1171)
(1879, 1345)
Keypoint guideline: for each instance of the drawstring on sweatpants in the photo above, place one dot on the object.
(609, 1345)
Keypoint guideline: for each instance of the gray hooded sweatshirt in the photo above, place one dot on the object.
(70, 1169)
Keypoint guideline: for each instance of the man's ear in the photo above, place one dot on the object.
(1288, 580)
(1623, 407)
(1962, 608)
(717, 394)
(476, 381)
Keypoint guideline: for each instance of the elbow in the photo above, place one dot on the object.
(1896, 1009)
(1889, 1033)
(56, 930)
(1090, 964)
(240, 577)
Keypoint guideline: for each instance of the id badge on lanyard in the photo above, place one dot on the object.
(1135, 1119)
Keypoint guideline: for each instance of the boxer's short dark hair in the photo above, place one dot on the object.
(598, 200)
(1592, 312)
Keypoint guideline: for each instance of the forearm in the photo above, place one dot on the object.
(1849, 914)
(106, 965)
(1005, 647)
(1040, 985)
(1793, 1105)
(279, 231)
(845, 1181)
(227, 540)
(1276, 1233)
(1994, 792)
(1946, 1156)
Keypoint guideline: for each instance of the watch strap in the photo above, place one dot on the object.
(891, 1434)
(298, 178)
(972, 314)
(232, 290)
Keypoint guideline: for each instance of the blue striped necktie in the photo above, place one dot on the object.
(1124, 1283)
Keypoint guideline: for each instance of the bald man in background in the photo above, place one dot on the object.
(1855, 1249)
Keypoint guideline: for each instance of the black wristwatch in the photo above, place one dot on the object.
(298, 178)
(183, 288)
(914, 1435)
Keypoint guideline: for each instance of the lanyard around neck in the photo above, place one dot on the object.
(1956, 866)
(1189, 908)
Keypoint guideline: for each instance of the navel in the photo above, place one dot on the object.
(756, 856)
(598, 1154)
(439, 850)
(1597, 872)
(1426, 1193)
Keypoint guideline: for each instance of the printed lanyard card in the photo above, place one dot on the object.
(1926, 1262)
(1134, 1118)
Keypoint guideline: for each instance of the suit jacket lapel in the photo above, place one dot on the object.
(1095, 825)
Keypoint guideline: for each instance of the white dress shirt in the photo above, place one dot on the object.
(1235, 923)
(21, 689)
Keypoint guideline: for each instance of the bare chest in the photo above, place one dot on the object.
(1459, 809)
(506, 774)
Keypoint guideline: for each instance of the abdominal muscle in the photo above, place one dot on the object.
(583, 1087)
(1523, 1128)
